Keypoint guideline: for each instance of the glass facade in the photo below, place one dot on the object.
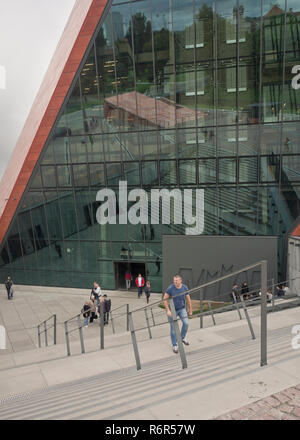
(173, 95)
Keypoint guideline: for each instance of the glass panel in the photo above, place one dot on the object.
(227, 211)
(290, 169)
(149, 173)
(49, 177)
(187, 143)
(37, 180)
(271, 139)
(112, 147)
(64, 175)
(148, 141)
(90, 94)
(94, 148)
(227, 170)
(168, 172)
(207, 171)
(97, 177)
(247, 210)
(227, 142)
(106, 77)
(61, 149)
(187, 172)
(80, 175)
(132, 173)
(114, 174)
(248, 169)
(269, 168)
(78, 147)
(74, 113)
(167, 143)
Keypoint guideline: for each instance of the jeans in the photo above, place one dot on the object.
(182, 313)
(128, 282)
(85, 321)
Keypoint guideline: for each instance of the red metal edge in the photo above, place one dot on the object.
(296, 232)
(57, 81)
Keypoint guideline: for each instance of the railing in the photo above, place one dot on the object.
(46, 329)
(151, 321)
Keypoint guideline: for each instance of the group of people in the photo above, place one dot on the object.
(141, 285)
(93, 305)
(281, 290)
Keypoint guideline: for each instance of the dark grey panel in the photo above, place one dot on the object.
(200, 259)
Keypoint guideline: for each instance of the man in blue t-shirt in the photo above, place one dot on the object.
(173, 291)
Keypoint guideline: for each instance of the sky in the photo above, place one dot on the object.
(29, 33)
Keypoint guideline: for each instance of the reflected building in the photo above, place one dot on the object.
(166, 94)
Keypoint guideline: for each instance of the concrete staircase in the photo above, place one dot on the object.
(223, 373)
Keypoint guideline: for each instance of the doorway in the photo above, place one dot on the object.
(135, 269)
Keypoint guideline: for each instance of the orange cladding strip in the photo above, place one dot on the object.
(58, 79)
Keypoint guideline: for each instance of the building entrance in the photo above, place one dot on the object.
(135, 269)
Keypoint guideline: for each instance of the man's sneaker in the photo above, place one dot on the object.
(185, 341)
(175, 348)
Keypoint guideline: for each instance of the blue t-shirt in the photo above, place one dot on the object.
(179, 301)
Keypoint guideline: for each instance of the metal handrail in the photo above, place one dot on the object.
(44, 323)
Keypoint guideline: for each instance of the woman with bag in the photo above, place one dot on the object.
(86, 312)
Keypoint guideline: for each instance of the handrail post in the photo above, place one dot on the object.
(80, 334)
(127, 317)
(201, 307)
(147, 321)
(55, 332)
(236, 304)
(112, 322)
(247, 317)
(134, 342)
(212, 312)
(263, 323)
(153, 316)
(178, 334)
(273, 295)
(101, 325)
(39, 337)
(67, 339)
(46, 335)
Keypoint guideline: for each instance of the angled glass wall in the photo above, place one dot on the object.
(173, 94)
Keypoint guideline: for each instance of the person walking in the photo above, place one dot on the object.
(107, 307)
(140, 282)
(93, 309)
(177, 292)
(86, 311)
(9, 288)
(96, 291)
(147, 291)
(245, 291)
(128, 278)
